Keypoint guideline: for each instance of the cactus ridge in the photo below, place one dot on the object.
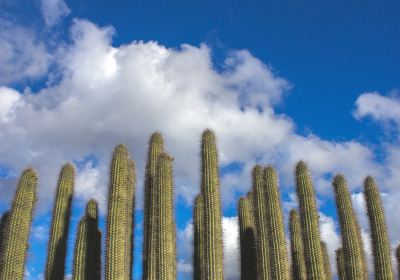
(198, 239)
(379, 235)
(55, 266)
(296, 245)
(3, 230)
(14, 253)
(130, 217)
(327, 266)
(340, 264)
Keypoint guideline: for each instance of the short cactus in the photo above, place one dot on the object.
(56, 252)
(14, 253)
(327, 266)
(379, 236)
(341, 265)
(296, 245)
(198, 239)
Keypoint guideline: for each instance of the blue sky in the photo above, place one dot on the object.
(278, 82)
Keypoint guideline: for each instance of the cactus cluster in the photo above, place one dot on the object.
(263, 249)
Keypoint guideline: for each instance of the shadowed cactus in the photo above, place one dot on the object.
(248, 257)
(198, 239)
(340, 265)
(56, 252)
(379, 236)
(278, 260)
(296, 245)
(18, 227)
(87, 256)
(115, 266)
(156, 147)
(213, 250)
(353, 251)
(327, 266)
(309, 223)
(130, 218)
(398, 260)
(3, 223)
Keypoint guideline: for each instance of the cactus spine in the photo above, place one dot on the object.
(116, 216)
(296, 245)
(213, 266)
(87, 258)
(18, 227)
(247, 236)
(340, 264)
(55, 267)
(166, 235)
(278, 260)
(309, 223)
(198, 239)
(156, 147)
(130, 218)
(327, 267)
(353, 251)
(379, 236)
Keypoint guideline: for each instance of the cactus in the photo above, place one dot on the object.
(278, 260)
(398, 260)
(55, 267)
(247, 236)
(353, 250)
(156, 147)
(296, 245)
(327, 267)
(341, 265)
(14, 253)
(166, 231)
(309, 223)
(213, 265)
(198, 239)
(116, 216)
(87, 258)
(379, 236)
(130, 218)
(3, 230)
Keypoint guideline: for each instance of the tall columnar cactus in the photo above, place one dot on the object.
(130, 218)
(327, 266)
(309, 223)
(87, 257)
(3, 230)
(353, 251)
(278, 260)
(248, 257)
(16, 238)
(260, 215)
(213, 265)
(198, 239)
(166, 235)
(398, 260)
(156, 147)
(296, 245)
(115, 266)
(379, 236)
(56, 251)
(341, 265)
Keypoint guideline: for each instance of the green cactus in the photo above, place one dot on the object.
(353, 250)
(278, 260)
(296, 245)
(166, 235)
(379, 236)
(341, 265)
(55, 267)
(3, 230)
(156, 147)
(327, 266)
(87, 257)
(213, 266)
(115, 266)
(309, 223)
(198, 239)
(398, 260)
(260, 215)
(248, 255)
(18, 227)
(130, 218)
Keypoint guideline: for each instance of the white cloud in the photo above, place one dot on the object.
(8, 101)
(53, 11)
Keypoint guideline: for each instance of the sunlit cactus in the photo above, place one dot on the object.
(379, 235)
(340, 265)
(327, 267)
(210, 190)
(15, 242)
(296, 245)
(130, 218)
(116, 253)
(353, 251)
(309, 223)
(3, 230)
(248, 257)
(87, 256)
(278, 260)
(198, 239)
(56, 252)
(156, 147)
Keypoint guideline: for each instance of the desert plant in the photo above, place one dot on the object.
(130, 218)
(198, 239)
(296, 245)
(327, 267)
(340, 264)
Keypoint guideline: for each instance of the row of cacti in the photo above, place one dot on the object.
(263, 248)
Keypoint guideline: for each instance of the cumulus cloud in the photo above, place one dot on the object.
(53, 11)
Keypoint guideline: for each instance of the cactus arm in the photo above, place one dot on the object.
(198, 239)
(296, 245)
